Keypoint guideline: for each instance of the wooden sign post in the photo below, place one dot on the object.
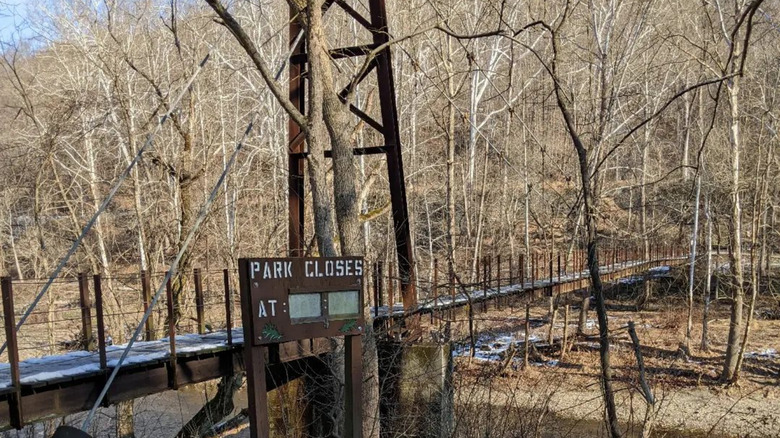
(291, 299)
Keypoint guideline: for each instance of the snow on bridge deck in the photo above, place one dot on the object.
(49, 370)
(444, 302)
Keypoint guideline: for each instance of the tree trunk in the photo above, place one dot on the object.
(646, 285)
(751, 310)
(44, 259)
(337, 120)
(481, 214)
(105, 267)
(184, 182)
(758, 206)
(124, 419)
(591, 225)
(687, 139)
(735, 249)
(88, 254)
(708, 278)
(12, 244)
(601, 308)
(450, 161)
(317, 139)
(692, 265)
(219, 407)
(130, 149)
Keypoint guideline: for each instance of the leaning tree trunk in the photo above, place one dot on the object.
(591, 227)
(337, 121)
(588, 185)
(598, 289)
(214, 410)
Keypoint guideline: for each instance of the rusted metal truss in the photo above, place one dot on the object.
(381, 66)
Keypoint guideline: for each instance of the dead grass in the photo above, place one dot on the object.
(691, 399)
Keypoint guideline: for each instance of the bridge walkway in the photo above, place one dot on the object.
(58, 385)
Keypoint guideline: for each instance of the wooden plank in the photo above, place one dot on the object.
(138, 382)
(199, 302)
(353, 387)
(87, 335)
(171, 335)
(146, 296)
(79, 395)
(59, 400)
(14, 400)
(101, 326)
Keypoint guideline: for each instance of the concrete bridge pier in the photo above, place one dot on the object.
(416, 389)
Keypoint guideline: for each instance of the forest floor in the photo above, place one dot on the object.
(555, 397)
(562, 397)
(558, 396)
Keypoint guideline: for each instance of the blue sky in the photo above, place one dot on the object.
(12, 14)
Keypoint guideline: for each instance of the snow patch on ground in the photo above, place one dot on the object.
(660, 270)
(630, 280)
(493, 347)
(768, 353)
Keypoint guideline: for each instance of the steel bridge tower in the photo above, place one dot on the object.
(387, 127)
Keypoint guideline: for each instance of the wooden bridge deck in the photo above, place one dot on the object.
(54, 386)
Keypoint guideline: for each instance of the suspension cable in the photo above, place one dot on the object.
(107, 200)
(171, 270)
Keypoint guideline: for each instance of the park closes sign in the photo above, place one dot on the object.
(294, 299)
(299, 298)
(317, 268)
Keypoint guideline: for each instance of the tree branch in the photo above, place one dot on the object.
(658, 112)
(249, 47)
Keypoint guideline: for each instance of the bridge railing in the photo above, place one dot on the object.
(209, 299)
(492, 273)
(92, 312)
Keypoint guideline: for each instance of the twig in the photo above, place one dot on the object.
(564, 344)
(646, 392)
(527, 341)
